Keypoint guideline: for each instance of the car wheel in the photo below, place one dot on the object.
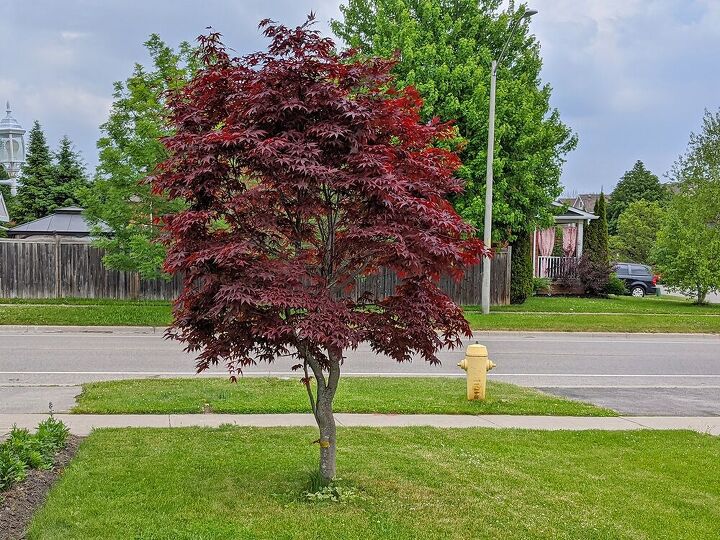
(638, 291)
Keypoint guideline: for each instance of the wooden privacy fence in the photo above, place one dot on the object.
(66, 268)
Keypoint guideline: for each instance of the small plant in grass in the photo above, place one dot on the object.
(320, 490)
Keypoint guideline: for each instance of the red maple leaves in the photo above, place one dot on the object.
(302, 171)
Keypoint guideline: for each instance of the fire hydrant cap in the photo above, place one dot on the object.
(476, 350)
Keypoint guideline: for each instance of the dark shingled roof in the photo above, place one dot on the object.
(64, 221)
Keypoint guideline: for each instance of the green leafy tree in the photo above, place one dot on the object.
(637, 229)
(687, 247)
(69, 177)
(521, 270)
(636, 184)
(34, 197)
(129, 151)
(446, 48)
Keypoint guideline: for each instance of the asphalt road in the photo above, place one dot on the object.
(643, 374)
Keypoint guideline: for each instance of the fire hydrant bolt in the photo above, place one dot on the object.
(477, 364)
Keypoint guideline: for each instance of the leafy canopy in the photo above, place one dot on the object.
(446, 48)
(129, 150)
(637, 184)
(688, 243)
(302, 171)
(637, 229)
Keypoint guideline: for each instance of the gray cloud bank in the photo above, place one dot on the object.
(631, 77)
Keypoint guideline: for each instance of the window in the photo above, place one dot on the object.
(621, 269)
(639, 270)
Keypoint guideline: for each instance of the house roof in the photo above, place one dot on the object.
(572, 213)
(583, 201)
(64, 221)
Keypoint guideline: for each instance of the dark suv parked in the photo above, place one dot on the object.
(639, 279)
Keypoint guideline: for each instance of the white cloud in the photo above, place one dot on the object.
(73, 36)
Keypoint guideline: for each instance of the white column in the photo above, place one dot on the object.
(534, 253)
(579, 249)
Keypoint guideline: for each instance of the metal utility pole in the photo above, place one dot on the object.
(487, 228)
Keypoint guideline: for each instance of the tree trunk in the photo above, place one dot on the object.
(322, 407)
(701, 295)
(326, 423)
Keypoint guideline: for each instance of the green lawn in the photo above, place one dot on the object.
(84, 312)
(401, 395)
(409, 483)
(614, 304)
(562, 322)
(618, 314)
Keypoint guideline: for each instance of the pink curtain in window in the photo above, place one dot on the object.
(570, 235)
(546, 241)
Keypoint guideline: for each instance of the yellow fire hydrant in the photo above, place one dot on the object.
(477, 364)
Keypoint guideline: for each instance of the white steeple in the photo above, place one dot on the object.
(12, 147)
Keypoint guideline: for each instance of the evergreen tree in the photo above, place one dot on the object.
(594, 268)
(35, 197)
(596, 240)
(68, 175)
(446, 48)
(521, 271)
(636, 184)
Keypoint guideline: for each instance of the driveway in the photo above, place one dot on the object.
(643, 374)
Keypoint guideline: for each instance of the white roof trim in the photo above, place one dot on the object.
(577, 211)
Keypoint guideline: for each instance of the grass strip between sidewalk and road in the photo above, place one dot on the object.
(265, 395)
(398, 483)
(615, 314)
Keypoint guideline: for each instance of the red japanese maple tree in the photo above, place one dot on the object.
(304, 170)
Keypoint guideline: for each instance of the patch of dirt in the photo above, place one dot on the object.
(19, 503)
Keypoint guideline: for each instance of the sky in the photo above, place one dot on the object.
(630, 77)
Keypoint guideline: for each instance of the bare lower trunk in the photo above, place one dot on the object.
(326, 423)
(322, 408)
(701, 295)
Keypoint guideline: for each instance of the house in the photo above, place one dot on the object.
(584, 201)
(64, 223)
(573, 222)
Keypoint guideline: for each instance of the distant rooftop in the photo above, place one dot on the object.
(64, 222)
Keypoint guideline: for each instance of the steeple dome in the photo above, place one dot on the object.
(9, 123)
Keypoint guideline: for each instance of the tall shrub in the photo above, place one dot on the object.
(521, 270)
(594, 269)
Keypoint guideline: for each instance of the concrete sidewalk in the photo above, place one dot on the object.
(83, 424)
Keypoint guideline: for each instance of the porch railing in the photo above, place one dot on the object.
(556, 267)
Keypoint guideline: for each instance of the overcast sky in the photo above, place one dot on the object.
(631, 77)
